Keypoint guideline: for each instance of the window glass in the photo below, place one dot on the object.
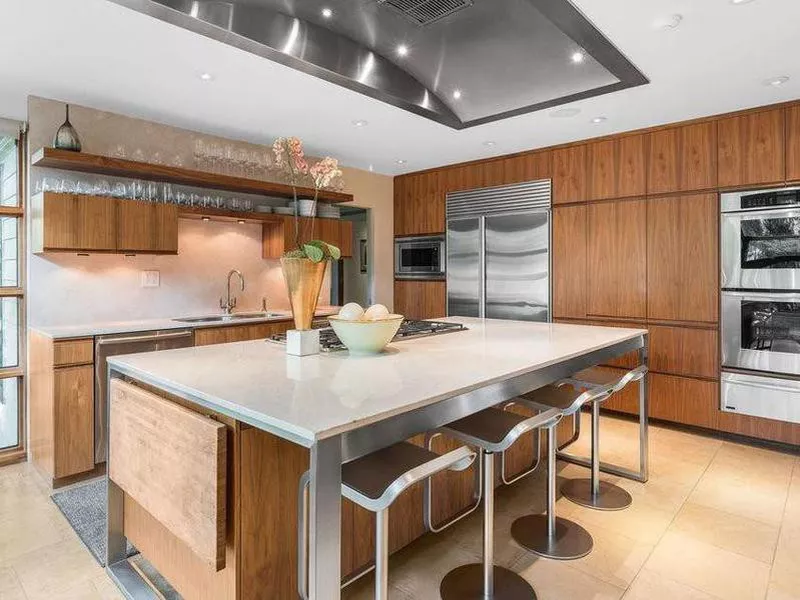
(9, 186)
(9, 417)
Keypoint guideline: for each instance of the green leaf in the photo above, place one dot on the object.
(334, 252)
(314, 253)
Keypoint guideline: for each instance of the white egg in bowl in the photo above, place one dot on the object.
(366, 337)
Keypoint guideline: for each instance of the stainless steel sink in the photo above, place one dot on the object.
(233, 317)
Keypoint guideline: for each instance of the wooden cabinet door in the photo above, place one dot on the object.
(420, 299)
(682, 258)
(569, 174)
(616, 252)
(81, 223)
(631, 166)
(346, 237)
(662, 170)
(682, 159)
(73, 414)
(601, 170)
(419, 203)
(569, 261)
(751, 149)
(147, 227)
(793, 143)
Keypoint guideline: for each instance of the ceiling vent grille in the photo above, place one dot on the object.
(425, 12)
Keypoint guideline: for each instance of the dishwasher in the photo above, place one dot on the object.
(115, 345)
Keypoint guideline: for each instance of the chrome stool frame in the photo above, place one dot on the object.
(643, 474)
(592, 492)
(377, 500)
(486, 581)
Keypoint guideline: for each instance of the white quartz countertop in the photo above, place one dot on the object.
(112, 327)
(318, 396)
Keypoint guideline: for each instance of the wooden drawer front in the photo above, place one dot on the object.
(73, 352)
(684, 400)
(684, 351)
(172, 461)
(73, 414)
(238, 333)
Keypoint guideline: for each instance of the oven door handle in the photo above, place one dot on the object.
(767, 297)
(777, 213)
(763, 386)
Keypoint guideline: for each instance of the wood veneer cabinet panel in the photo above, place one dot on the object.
(73, 420)
(73, 352)
(420, 299)
(238, 333)
(601, 170)
(569, 261)
(147, 227)
(527, 167)
(698, 156)
(682, 258)
(751, 148)
(684, 351)
(662, 171)
(684, 400)
(73, 222)
(631, 166)
(569, 174)
(616, 261)
(793, 143)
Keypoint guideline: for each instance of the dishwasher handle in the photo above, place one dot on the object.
(143, 338)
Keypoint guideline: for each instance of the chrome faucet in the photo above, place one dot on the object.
(229, 304)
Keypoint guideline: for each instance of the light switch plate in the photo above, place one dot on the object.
(151, 279)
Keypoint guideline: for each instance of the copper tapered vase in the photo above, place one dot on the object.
(303, 281)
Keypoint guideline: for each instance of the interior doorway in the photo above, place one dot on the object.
(351, 277)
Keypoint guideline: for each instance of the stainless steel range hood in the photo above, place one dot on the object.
(504, 57)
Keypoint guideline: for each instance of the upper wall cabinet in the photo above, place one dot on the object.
(79, 223)
(793, 143)
(569, 261)
(682, 159)
(682, 258)
(616, 168)
(751, 149)
(569, 174)
(616, 266)
(419, 203)
(278, 235)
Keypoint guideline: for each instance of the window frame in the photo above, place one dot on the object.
(18, 452)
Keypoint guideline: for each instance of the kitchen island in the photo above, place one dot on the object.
(336, 406)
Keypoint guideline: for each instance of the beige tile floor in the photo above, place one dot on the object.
(717, 520)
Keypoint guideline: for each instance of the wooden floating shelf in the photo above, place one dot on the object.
(53, 158)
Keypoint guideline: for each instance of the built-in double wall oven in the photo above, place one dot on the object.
(760, 260)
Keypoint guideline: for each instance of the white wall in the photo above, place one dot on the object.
(356, 283)
(66, 289)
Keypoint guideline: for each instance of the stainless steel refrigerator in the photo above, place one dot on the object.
(498, 252)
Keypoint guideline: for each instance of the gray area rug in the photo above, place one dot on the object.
(84, 507)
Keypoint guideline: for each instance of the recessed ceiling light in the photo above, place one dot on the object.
(402, 50)
(577, 57)
(360, 123)
(457, 94)
(401, 161)
(776, 81)
(668, 23)
(327, 12)
(206, 76)
(490, 144)
(741, 1)
(597, 120)
(371, 168)
(565, 113)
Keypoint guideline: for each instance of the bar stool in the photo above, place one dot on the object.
(374, 482)
(547, 534)
(592, 492)
(491, 431)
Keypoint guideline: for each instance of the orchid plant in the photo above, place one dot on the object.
(291, 159)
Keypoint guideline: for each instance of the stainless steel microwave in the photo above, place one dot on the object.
(420, 257)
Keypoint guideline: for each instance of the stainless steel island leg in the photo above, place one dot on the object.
(325, 520)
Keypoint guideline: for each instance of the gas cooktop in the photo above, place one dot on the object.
(330, 342)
